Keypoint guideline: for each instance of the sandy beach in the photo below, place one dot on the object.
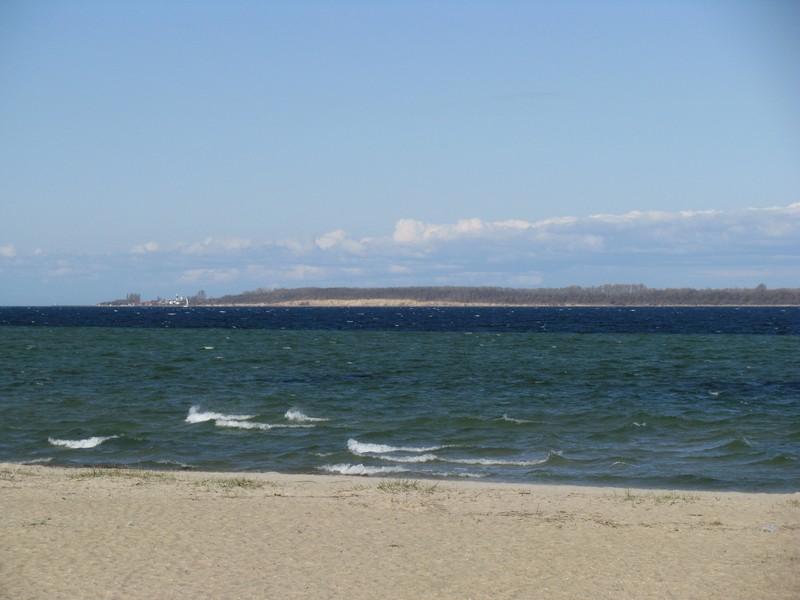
(114, 533)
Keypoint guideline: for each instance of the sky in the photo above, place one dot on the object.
(168, 147)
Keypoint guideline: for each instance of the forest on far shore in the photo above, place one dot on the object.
(602, 295)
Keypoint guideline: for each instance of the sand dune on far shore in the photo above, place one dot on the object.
(112, 533)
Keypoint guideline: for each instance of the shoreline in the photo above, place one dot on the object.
(323, 475)
(381, 303)
(109, 533)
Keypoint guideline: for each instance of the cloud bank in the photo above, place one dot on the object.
(658, 248)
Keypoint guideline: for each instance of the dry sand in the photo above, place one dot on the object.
(108, 533)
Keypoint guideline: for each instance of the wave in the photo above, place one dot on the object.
(240, 424)
(484, 462)
(345, 469)
(494, 462)
(197, 416)
(91, 442)
(425, 455)
(359, 448)
(234, 421)
(295, 415)
(505, 417)
(726, 445)
(422, 458)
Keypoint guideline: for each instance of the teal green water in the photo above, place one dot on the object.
(667, 410)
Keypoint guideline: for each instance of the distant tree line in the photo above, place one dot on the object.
(603, 295)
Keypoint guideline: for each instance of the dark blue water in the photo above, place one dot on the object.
(745, 320)
(700, 398)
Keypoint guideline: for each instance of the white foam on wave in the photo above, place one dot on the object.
(240, 424)
(484, 462)
(425, 455)
(297, 416)
(359, 448)
(234, 421)
(91, 442)
(513, 420)
(197, 416)
(346, 469)
(495, 462)
(422, 458)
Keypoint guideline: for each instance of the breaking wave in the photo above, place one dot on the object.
(236, 421)
(359, 448)
(298, 417)
(197, 416)
(345, 469)
(425, 455)
(91, 442)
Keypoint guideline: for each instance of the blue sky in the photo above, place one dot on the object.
(168, 147)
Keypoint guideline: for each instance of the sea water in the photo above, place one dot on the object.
(666, 398)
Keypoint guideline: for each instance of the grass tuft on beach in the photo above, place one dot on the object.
(652, 497)
(231, 483)
(404, 486)
(115, 473)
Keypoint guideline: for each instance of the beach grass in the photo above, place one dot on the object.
(36, 522)
(8, 474)
(652, 497)
(119, 473)
(405, 486)
(232, 483)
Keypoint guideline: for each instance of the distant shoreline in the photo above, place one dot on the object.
(623, 295)
(381, 303)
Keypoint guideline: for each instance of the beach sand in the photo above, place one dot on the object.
(114, 533)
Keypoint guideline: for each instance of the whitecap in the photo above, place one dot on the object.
(297, 416)
(197, 416)
(91, 442)
(345, 469)
(240, 424)
(517, 421)
(492, 462)
(360, 448)
(422, 458)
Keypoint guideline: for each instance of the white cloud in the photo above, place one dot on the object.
(339, 239)
(637, 217)
(304, 272)
(145, 248)
(212, 245)
(409, 231)
(658, 248)
(635, 230)
(296, 246)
